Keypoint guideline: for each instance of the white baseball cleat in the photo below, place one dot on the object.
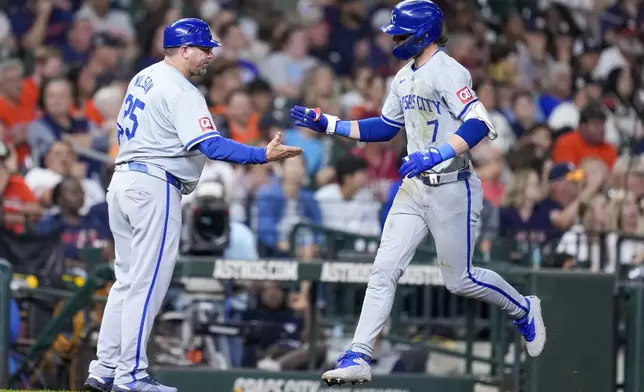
(532, 327)
(351, 367)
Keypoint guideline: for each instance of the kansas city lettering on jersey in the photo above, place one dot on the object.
(416, 102)
(145, 82)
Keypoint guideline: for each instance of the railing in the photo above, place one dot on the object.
(5, 298)
(571, 301)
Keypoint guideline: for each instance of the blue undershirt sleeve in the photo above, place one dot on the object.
(472, 131)
(372, 129)
(223, 149)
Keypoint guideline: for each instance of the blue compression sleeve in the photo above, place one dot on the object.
(371, 130)
(472, 131)
(223, 149)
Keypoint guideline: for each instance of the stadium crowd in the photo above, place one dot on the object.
(561, 80)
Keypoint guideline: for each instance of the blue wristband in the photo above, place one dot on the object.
(447, 151)
(343, 128)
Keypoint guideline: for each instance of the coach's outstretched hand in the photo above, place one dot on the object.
(276, 151)
(312, 118)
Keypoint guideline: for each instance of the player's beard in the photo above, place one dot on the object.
(201, 71)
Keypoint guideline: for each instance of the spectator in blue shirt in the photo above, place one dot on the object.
(57, 123)
(559, 89)
(526, 219)
(99, 216)
(79, 231)
(280, 328)
(622, 14)
(565, 197)
(524, 112)
(313, 148)
(78, 43)
(349, 25)
(520, 218)
(38, 22)
(281, 205)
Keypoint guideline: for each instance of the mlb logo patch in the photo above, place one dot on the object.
(465, 95)
(206, 124)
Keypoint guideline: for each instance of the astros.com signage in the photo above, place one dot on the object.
(415, 275)
(340, 272)
(256, 270)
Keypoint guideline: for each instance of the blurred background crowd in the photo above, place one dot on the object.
(561, 80)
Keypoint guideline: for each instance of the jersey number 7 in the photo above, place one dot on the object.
(434, 123)
(131, 104)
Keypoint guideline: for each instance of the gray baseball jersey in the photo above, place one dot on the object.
(163, 118)
(430, 102)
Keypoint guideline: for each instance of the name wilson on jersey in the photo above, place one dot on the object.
(145, 82)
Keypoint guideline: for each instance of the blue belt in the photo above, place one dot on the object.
(435, 179)
(153, 171)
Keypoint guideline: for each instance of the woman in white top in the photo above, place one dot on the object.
(625, 221)
(583, 239)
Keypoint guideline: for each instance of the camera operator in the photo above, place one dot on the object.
(208, 230)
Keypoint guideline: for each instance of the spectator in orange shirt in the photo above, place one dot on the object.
(588, 141)
(17, 106)
(48, 63)
(242, 120)
(19, 204)
(226, 78)
(261, 96)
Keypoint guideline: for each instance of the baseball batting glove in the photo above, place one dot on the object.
(418, 162)
(314, 119)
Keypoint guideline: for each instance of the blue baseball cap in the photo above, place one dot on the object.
(566, 171)
(535, 24)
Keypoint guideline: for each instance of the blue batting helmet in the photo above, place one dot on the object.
(420, 21)
(188, 31)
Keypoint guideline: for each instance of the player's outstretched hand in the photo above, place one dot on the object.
(312, 118)
(276, 151)
(418, 162)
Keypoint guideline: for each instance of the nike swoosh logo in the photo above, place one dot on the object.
(401, 80)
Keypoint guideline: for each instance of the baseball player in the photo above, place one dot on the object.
(432, 98)
(165, 133)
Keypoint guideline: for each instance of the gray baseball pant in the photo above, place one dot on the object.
(451, 213)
